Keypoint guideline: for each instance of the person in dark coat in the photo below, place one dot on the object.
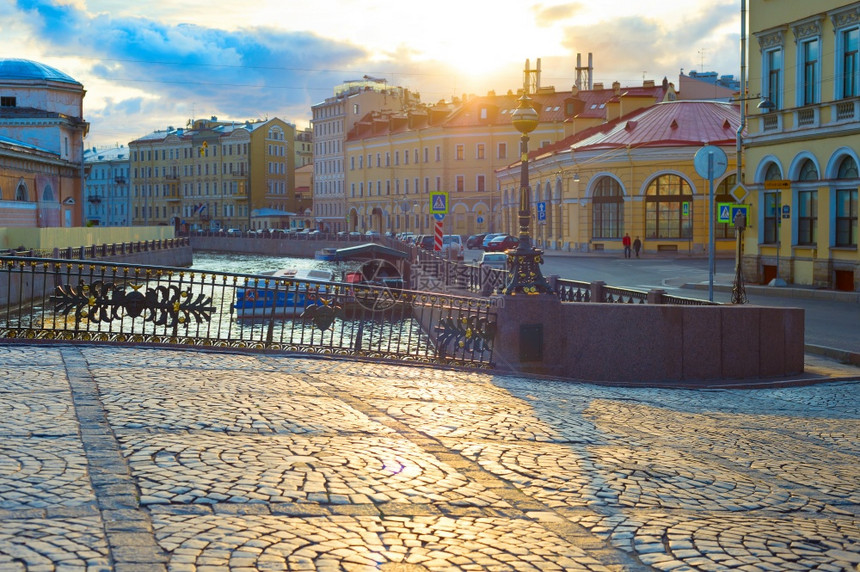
(637, 246)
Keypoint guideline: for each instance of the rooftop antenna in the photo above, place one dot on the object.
(702, 59)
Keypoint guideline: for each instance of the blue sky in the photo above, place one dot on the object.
(152, 64)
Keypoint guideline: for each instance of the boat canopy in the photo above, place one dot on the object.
(369, 250)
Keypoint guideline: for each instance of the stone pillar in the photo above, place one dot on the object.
(529, 335)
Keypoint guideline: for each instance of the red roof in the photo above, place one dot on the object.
(671, 123)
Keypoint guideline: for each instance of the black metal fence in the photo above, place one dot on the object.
(437, 272)
(57, 299)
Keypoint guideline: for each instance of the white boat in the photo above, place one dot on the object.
(287, 293)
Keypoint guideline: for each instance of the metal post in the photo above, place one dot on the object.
(711, 242)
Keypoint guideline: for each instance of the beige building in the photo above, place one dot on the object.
(214, 174)
(801, 156)
(42, 134)
(635, 175)
(332, 120)
(395, 160)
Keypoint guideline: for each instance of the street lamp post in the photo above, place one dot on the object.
(525, 276)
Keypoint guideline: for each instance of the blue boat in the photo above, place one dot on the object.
(286, 294)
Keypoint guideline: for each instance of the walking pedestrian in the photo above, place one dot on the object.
(637, 246)
(626, 242)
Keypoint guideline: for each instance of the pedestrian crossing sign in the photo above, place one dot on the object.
(735, 209)
(724, 213)
(439, 202)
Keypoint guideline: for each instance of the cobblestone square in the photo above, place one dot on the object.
(127, 459)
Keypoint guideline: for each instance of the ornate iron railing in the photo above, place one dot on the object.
(56, 299)
(573, 290)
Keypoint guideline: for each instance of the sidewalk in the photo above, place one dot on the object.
(139, 459)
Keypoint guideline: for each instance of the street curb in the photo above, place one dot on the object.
(842, 356)
(786, 292)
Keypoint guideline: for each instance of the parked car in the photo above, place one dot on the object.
(475, 241)
(425, 241)
(453, 244)
(498, 260)
(234, 232)
(502, 243)
(355, 235)
(490, 237)
(371, 234)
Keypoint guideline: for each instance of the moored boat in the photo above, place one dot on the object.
(287, 293)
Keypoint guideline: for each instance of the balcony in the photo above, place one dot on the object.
(818, 120)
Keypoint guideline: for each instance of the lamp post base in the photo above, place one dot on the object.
(525, 276)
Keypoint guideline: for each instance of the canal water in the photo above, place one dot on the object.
(260, 264)
(368, 333)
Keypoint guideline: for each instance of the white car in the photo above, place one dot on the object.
(452, 243)
(498, 260)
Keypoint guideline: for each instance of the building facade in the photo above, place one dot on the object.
(332, 120)
(41, 145)
(801, 152)
(214, 174)
(396, 160)
(107, 201)
(635, 175)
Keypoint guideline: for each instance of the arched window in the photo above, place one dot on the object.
(771, 206)
(668, 208)
(807, 206)
(846, 205)
(808, 171)
(721, 195)
(21, 193)
(607, 216)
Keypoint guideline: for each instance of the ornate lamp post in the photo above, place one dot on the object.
(525, 276)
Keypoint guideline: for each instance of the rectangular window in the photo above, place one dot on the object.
(388, 159)
(479, 151)
(503, 151)
(771, 217)
(461, 183)
(846, 217)
(352, 163)
(8, 101)
(850, 62)
(479, 184)
(426, 155)
(773, 77)
(426, 185)
(438, 183)
(810, 73)
(460, 152)
(807, 217)
(405, 157)
(378, 159)
(438, 153)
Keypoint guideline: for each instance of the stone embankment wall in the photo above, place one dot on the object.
(633, 343)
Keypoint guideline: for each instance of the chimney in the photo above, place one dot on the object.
(537, 76)
(616, 87)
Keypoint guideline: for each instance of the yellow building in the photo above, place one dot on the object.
(635, 175)
(801, 155)
(395, 160)
(213, 174)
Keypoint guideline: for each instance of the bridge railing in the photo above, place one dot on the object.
(57, 299)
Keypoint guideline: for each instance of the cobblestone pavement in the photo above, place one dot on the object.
(133, 459)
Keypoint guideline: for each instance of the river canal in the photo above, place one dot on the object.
(259, 264)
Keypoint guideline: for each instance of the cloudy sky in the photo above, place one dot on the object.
(148, 65)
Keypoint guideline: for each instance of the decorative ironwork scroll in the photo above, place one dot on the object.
(468, 333)
(108, 301)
